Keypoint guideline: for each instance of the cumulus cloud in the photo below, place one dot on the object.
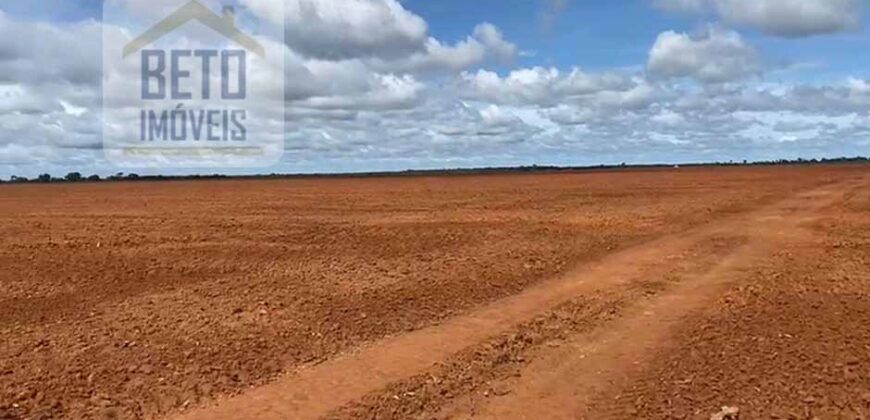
(368, 85)
(342, 29)
(669, 118)
(49, 93)
(350, 66)
(492, 38)
(382, 92)
(542, 86)
(571, 115)
(787, 18)
(485, 44)
(51, 59)
(484, 120)
(714, 56)
(382, 34)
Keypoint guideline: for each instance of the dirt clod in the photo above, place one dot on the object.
(727, 413)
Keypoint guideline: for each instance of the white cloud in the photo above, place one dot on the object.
(369, 80)
(397, 97)
(493, 39)
(381, 34)
(669, 118)
(342, 29)
(858, 86)
(787, 18)
(570, 115)
(485, 44)
(382, 92)
(51, 60)
(533, 85)
(70, 109)
(542, 86)
(714, 56)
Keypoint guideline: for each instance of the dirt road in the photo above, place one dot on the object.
(637, 294)
(560, 374)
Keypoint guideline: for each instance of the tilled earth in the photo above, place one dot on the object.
(141, 300)
(792, 342)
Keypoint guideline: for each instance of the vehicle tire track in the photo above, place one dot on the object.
(314, 391)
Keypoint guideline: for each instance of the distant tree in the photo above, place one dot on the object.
(73, 177)
(94, 178)
(132, 176)
(16, 178)
(44, 178)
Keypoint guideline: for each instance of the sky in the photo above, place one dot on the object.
(374, 85)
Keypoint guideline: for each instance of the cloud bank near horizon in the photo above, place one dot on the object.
(371, 86)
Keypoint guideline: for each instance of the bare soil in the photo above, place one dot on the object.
(664, 294)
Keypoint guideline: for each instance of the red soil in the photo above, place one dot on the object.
(140, 300)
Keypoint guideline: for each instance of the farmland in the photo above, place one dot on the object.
(611, 294)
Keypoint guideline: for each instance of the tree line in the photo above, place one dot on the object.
(72, 177)
(121, 176)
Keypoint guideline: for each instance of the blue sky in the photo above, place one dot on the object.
(592, 34)
(390, 85)
(606, 34)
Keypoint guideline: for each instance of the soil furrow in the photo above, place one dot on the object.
(314, 391)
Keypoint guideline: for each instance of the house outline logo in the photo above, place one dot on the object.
(194, 10)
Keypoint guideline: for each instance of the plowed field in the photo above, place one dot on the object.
(622, 294)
